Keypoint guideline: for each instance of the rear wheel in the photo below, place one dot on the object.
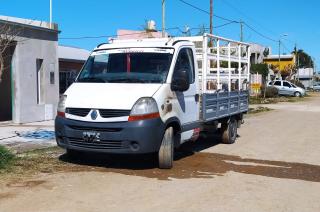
(229, 131)
(166, 152)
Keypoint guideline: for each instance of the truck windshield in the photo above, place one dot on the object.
(125, 66)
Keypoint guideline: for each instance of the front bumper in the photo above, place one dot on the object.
(136, 137)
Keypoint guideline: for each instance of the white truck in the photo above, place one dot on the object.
(152, 95)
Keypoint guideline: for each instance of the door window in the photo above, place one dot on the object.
(286, 84)
(185, 62)
(277, 83)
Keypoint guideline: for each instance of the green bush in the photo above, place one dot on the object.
(271, 92)
(6, 157)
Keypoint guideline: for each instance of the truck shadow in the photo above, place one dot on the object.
(190, 163)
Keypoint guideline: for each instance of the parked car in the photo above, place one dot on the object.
(287, 88)
(316, 86)
(146, 96)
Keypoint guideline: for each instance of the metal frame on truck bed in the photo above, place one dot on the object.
(225, 82)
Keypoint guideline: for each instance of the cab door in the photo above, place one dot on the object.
(186, 103)
(278, 85)
(288, 90)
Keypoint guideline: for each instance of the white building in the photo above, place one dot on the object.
(30, 81)
(257, 53)
(305, 76)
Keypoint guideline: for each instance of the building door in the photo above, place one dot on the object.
(5, 87)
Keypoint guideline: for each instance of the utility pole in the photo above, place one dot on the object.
(279, 52)
(295, 54)
(163, 18)
(50, 13)
(211, 15)
(241, 30)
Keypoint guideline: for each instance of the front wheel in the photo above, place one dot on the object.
(297, 94)
(229, 131)
(166, 152)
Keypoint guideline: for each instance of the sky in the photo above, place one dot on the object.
(292, 21)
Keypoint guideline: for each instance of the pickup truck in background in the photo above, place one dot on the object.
(152, 95)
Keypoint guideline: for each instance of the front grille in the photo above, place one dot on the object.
(104, 113)
(78, 111)
(96, 129)
(103, 144)
(110, 113)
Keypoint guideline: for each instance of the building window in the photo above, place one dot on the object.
(39, 76)
(52, 73)
(67, 77)
(52, 78)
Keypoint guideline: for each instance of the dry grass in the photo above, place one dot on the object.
(33, 162)
(259, 100)
(259, 110)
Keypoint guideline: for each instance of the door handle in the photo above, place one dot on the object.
(197, 97)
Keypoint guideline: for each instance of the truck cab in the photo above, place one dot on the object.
(138, 96)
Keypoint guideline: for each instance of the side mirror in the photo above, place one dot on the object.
(180, 81)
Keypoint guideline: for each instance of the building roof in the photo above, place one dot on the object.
(255, 47)
(68, 53)
(29, 23)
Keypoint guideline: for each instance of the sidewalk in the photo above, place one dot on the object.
(23, 137)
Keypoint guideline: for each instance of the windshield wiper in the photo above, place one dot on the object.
(91, 79)
(133, 80)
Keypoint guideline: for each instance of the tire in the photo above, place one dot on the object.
(229, 131)
(297, 94)
(166, 151)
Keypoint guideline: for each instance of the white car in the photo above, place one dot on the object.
(287, 88)
(316, 86)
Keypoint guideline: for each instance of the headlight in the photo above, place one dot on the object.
(62, 106)
(144, 108)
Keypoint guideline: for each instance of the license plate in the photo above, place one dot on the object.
(91, 136)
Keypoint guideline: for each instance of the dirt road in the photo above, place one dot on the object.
(273, 166)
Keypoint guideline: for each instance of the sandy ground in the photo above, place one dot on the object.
(273, 166)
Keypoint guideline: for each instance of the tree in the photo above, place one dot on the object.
(304, 60)
(266, 52)
(264, 71)
(8, 34)
(260, 69)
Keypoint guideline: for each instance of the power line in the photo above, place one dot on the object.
(245, 15)
(230, 21)
(195, 7)
(142, 32)
(252, 19)
(222, 25)
(259, 33)
(207, 12)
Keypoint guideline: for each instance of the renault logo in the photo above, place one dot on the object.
(94, 115)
